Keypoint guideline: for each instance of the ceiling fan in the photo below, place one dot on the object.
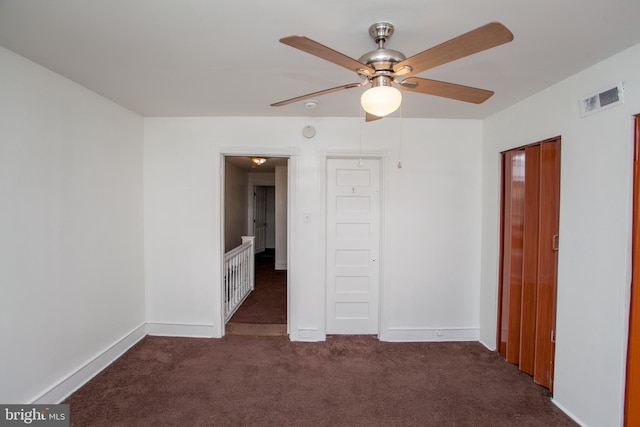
(382, 67)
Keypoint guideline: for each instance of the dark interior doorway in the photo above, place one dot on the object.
(253, 206)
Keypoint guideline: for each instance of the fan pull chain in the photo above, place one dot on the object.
(400, 141)
(360, 121)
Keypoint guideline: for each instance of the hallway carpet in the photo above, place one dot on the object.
(267, 303)
(344, 381)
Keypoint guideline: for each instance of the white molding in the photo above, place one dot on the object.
(384, 296)
(321, 218)
(93, 367)
(492, 348)
(219, 260)
(409, 334)
(181, 330)
(293, 186)
(568, 413)
(280, 266)
(310, 335)
(259, 151)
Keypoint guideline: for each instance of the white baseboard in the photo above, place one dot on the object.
(182, 330)
(308, 334)
(77, 379)
(280, 266)
(409, 334)
(568, 413)
(492, 348)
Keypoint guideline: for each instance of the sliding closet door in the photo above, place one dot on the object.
(530, 260)
(513, 222)
(632, 401)
(547, 262)
(530, 213)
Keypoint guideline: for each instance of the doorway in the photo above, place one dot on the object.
(353, 246)
(255, 203)
(264, 218)
(529, 242)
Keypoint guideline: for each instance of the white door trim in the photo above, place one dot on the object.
(292, 207)
(382, 155)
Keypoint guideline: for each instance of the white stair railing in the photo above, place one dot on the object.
(238, 275)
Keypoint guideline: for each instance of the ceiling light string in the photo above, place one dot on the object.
(400, 140)
(360, 121)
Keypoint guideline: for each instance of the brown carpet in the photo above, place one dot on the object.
(345, 381)
(268, 301)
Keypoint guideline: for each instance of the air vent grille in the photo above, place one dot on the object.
(600, 100)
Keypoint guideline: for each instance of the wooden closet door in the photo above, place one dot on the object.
(530, 260)
(547, 262)
(512, 240)
(632, 398)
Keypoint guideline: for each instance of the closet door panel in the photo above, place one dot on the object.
(505, 251)
(513, 234)
(530, 259)
(547, 262)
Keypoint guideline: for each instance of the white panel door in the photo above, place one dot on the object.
(260, 218)
(353, 223)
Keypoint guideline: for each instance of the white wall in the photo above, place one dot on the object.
(235, 206)
(595, 231)
(71, 260)
(431, 219)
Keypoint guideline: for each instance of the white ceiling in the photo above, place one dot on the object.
(215, 58)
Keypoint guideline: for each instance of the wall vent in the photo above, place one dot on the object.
(598, 101)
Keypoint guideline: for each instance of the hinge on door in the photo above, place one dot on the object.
(553, 336)
(555, 241)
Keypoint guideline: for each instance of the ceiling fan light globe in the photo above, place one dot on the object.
(381, 100)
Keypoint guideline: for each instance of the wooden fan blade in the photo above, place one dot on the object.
(446, 90)
(321, 51)
(371, 118)
(314, 94)
(482, 38)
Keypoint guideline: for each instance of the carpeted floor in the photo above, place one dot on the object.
(345, 381)
(268, 301)
(267, 380)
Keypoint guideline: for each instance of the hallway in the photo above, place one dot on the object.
(264, 312)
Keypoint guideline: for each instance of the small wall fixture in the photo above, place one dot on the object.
(382, 98)
(258, 160)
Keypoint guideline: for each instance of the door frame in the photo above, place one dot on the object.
(383, 289)
(292, 206)
(632, 375)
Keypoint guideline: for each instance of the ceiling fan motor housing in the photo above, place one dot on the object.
(381, 59)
